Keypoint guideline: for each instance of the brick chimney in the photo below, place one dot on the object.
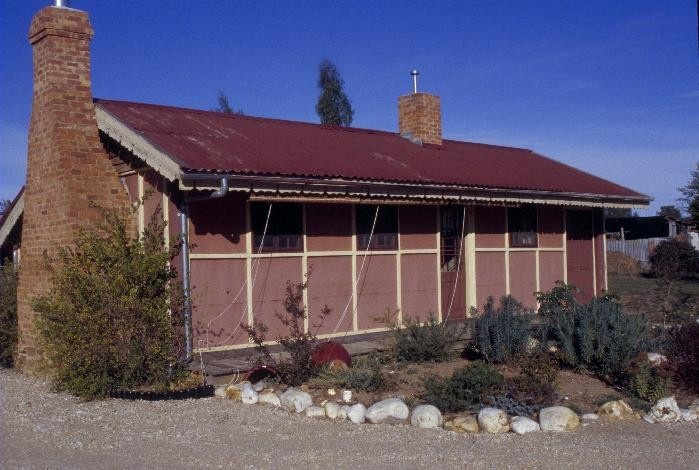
(420, 118)
(67, 167)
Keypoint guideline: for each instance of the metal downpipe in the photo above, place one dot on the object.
(186, 282)
(184, 233)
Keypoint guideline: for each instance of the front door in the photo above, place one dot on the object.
(579, 252)
(452, 251)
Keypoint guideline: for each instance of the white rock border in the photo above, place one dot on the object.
(393, 410)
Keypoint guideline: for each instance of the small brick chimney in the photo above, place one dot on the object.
(67, 167)
(420, 118)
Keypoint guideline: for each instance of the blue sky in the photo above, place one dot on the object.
(609, 87)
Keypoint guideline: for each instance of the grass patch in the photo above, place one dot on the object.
(636, 295)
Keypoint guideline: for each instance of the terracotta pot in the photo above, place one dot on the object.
(331, 353)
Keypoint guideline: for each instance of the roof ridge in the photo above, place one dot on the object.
(247, 117)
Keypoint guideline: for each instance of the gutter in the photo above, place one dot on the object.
(186, 281)
(434, 191)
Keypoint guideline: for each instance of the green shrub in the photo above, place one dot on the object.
(466, 388)
(502, 334)
(422, 342)
(112, 318)
(597, 336)
(647, 381)
(298, 344)
(672, 261)
(536, 382)
(8, 314)
(684, 354)
(561, 298)
(366, 374)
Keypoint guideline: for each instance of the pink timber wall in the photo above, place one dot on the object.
(492, 250)
(218, 231)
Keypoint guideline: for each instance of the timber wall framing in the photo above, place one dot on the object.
(234, 285)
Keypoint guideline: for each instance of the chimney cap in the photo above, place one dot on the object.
(414, 73)
(61, 3)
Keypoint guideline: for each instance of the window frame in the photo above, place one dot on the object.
(381, 240)
(522, 217)
(282, 235)
(451, 246)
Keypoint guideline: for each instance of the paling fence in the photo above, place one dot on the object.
(638, 249)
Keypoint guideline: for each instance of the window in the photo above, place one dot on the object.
(521, 222)
(451, 225)
(385, 232)
(284, 229)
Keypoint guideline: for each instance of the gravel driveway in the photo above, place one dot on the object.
(46, 430)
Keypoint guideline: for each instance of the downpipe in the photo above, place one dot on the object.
(186, 281)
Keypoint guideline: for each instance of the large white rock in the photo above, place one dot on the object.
(296, 400)
(357, 413)
(695, 405)
(343, 412)
(656, 358)
(523, 425)
(463, 424)
(393, 409)
(248, 396)
(269, 398)
(493, 420)
(665, 411)
(332, 409)
(315, 412)
(688, 415)
(617, 410)
(426, 416)
(235, 391)
(558, 418)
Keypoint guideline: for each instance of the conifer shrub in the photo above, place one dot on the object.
(112, 319)
(648, 381)
(8, 314)
(429, 341)
(465, 389)
(502, 333)
(597, 336)
(536, 382)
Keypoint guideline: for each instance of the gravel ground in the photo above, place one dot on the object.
(41, 429)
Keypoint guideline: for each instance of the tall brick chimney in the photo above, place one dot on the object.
(420, 117)
(67, 167)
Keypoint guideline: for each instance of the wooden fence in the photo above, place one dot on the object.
(638, 249)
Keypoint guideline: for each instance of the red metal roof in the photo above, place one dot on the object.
(207, 141)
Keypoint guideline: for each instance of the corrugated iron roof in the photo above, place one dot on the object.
(207, 141)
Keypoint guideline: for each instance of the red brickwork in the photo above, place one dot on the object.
(420, 115)
(67, 166)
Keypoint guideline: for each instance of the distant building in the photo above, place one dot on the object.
(637, 228)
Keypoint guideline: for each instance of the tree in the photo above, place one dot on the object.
(4, 206)
(333, 106)
(617, 213)
(224, 106)
(671, 262)
(670, 211)
(690, 195)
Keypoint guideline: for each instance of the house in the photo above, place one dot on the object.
(405, 221)
(638, 228)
